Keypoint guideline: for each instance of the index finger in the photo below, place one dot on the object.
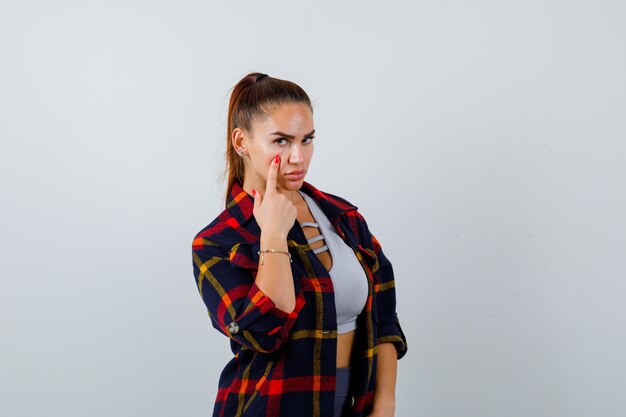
(271, 175)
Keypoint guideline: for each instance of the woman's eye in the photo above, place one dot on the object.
(279, 139)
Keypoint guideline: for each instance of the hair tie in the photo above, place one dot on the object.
(259, 77)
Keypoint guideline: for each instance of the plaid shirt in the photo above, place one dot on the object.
(284, 363)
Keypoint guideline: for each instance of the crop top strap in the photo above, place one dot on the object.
(312, 224)
(315, 238)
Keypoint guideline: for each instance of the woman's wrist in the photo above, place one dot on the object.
(273, 241)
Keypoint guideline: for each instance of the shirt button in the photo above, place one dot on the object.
(233, 327)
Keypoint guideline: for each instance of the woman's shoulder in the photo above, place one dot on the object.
(220, 233)
(340, 199)
(331, 201)
(346, 205)
(228, 237)
(339, 205)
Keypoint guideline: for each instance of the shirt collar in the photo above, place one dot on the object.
(240, 203)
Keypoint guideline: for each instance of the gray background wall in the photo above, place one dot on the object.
(491, 169)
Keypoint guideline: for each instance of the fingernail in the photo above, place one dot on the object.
(254, 192)
(277, 159)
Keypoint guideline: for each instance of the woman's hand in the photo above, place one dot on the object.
(274, 212)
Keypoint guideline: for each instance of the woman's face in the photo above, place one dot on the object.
(288, 132)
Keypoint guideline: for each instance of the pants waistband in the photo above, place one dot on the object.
(342, 382)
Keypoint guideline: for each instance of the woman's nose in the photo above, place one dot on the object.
(296, 155)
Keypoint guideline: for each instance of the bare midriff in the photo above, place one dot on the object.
(345, 342)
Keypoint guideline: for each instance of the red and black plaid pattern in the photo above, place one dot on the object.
(284, 363)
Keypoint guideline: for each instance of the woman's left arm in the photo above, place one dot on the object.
(384, 402)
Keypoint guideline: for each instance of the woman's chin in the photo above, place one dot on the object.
(292, 185)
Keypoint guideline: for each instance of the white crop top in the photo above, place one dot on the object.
(347, 274)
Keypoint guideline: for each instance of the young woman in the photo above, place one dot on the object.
(293, 276)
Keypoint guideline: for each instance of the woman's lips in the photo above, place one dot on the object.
(295, 176)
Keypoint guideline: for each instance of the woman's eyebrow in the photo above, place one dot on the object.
(292, 136)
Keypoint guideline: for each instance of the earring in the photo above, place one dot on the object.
(241, 153)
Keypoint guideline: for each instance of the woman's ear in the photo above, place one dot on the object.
(237, 138)
(240, 140)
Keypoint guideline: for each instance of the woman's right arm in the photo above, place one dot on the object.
(259, 311)
(275, 214)
(274, 277)
(237, 304)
